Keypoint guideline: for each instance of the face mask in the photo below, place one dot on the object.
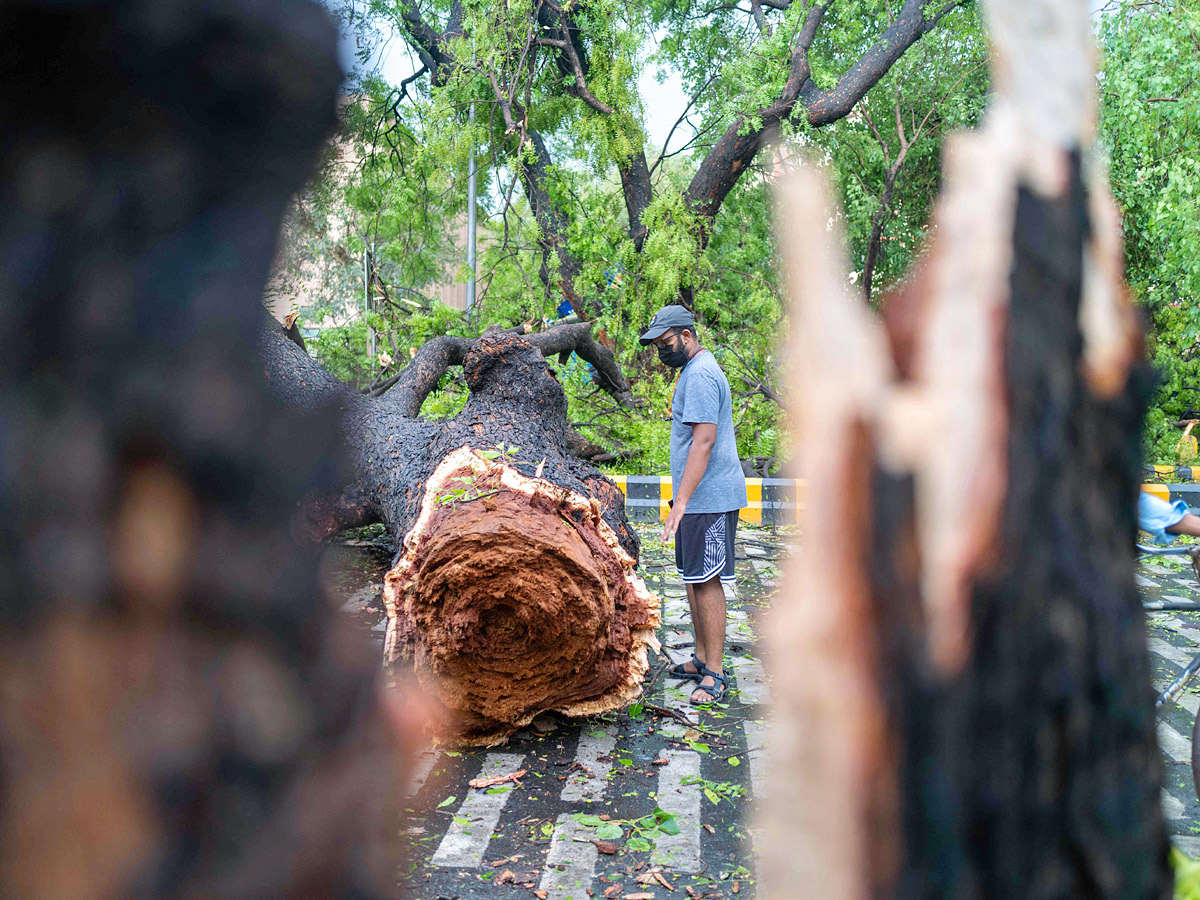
(673, 356)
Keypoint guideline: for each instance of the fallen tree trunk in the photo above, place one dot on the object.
(514, 590)
(965, 696)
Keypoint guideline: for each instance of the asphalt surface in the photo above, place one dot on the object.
(1174, 639)
(595, 785)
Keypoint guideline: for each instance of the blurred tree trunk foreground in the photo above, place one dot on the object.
(965, 706)
(181, 713)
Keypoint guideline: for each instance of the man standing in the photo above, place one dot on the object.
(709, 489)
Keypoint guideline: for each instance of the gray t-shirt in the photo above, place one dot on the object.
(702, 395)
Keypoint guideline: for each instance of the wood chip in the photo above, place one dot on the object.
(478, 783)
(660, 762)
(638, 896)
(690, 891)
(709, 828)
(541, 895)
(737, 886)
(506, 877)
(658, 877)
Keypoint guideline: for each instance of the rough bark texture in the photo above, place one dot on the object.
(962, 649)
(484, 579)
(180, 713)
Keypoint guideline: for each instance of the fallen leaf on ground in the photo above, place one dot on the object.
(541, 895)
(658, 877)
(737, 886)
(611, 892)
(660, 762)
(690, 891)
(691, 734)
(608, 848)
(496, 779)
(646, 878)
(640, 896)
(506, 877)
(709, 829)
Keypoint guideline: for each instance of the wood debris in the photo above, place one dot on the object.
(514, 777)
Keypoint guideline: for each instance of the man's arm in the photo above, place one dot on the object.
(704, 436)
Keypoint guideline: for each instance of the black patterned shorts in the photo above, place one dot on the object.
(704, 546)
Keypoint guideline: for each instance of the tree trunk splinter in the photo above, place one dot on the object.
(965, 692)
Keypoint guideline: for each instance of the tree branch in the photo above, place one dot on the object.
(735, 150)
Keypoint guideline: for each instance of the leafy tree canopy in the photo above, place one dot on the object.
(1150, 124)
(574, 202)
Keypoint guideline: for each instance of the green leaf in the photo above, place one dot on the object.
(447, 802)
(462, 821)
(637, 844)
(609, 831)
(588, 820)
(712, 796)
(500, 789)
(669, 826)
(734, 761)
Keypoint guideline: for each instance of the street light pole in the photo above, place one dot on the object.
(471, 178)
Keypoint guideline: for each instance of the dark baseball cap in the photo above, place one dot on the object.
(668, 317)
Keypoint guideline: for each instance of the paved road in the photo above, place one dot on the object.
(1174, 640)
(527, 839)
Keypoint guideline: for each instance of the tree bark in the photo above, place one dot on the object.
(514, 589)
(961, 651)
(183, 713)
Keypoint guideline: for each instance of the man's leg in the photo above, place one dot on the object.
(708, 616)
(697, 631)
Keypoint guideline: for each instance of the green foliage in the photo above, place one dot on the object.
(938, 87)
(394, 189)
(1187, 876)
(1150, 124)
(642, 832)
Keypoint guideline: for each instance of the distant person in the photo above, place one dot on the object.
(708, 489)
(1159, 518)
